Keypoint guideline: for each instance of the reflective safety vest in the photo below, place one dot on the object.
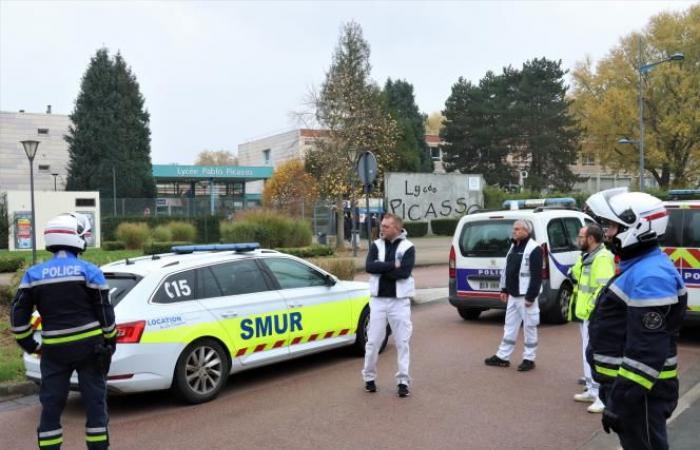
(590, 274)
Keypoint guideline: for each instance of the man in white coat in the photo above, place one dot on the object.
(390, 261)
(521, 283)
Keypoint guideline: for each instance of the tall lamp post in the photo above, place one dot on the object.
(30, 149)
(643, 70)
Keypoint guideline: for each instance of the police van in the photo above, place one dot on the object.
(190, 318)
(481, 242)
(682, 244)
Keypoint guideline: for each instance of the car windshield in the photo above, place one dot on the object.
(490, 238)
(119, 285)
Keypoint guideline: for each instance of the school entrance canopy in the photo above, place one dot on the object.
(220, 189)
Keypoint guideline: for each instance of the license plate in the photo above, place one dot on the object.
(488, 285)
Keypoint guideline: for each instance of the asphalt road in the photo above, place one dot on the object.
(318, 401)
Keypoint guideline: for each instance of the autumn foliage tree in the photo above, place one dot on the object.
(291, 189)
(216, 158)
(350, 107)
(607, 95)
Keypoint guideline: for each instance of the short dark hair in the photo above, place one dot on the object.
(397, 220)
(595, 231)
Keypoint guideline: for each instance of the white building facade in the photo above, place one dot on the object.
(51, 160)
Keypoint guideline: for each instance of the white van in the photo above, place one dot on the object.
(479, 248)
(682, 244)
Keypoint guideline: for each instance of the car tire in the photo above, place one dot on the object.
(469, 313)
(201, 371)
(361, 334)
(558, 312)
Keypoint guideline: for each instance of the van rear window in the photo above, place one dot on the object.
(119, 285)
(683, 228)
(488, 238)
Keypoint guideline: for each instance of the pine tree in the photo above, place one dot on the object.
(110, 129)
(412, 152)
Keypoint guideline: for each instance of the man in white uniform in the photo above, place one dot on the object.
(521, 283)
(390, 261)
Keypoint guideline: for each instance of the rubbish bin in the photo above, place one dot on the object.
(321, 237)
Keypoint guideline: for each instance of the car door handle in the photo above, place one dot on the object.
(229, 314)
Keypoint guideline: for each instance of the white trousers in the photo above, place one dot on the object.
(517, 313)
(591, 386)
(397, 313)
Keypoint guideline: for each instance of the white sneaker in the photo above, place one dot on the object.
(597, 407)
(585, 397)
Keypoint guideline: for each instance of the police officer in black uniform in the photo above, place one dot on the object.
(78, 330)
(636, 320)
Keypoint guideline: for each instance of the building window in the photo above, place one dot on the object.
(44, 167)
(588, 159)
(266, 156)
(84, 202)
(435, 153)
(43, 131)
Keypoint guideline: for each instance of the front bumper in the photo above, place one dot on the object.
(135, 367)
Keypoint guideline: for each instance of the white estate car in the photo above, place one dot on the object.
(478, 251)
(189, 319)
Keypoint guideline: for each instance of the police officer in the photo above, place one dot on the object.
(635, 323)
(78, 330)
(591, 272)
(390, 261)
(521, 284)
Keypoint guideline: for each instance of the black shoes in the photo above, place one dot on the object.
(370, 386)
(526, 365)
(496, 361)
(403, 391)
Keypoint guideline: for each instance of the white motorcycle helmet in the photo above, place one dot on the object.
(67, 231)
(642, 218)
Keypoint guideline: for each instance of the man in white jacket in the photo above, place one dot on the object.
(390, 261)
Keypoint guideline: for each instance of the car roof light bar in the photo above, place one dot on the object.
(239, 247)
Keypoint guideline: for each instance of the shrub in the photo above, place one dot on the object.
(416, 229)
(300, 234)
(343, 268)
(162, 233)
(268, 228)
(182, 231)
(308, 252)
(113, 245)
(154, 248)
(11, 263)
(133, 235)
(444, 227)
(238, 232)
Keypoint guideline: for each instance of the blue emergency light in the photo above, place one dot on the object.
(566, 202)
(239, 247)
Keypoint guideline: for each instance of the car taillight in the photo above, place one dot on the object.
(130, 333)
(453, 263)
(545, 262)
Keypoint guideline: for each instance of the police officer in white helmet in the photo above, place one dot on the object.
(78, 330)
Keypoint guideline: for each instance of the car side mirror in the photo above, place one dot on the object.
(330, 280)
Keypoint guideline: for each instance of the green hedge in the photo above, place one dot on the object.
(154, 248)
(268, 228)
(207, 226)
(113, 245)
(416, 229)
(10, 263)
(308, 252)
(444, 227)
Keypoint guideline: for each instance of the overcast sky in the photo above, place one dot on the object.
(217, 74)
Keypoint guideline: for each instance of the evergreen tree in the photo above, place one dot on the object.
(412, 152)
(110, 129)
(544, 132)
(473, 130)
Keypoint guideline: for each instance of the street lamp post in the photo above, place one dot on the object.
(30, 149)
(643, 70)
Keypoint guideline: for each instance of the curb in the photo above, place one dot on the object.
(18, 389)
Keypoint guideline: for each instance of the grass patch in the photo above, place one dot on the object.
(11, 366)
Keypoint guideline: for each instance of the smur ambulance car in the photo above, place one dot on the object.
(682, 244)
(478, 254)
(188, 319)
